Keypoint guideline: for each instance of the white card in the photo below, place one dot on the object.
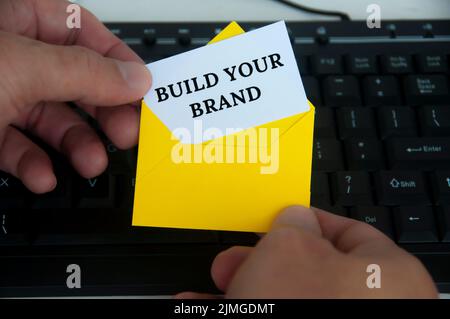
(242, 82)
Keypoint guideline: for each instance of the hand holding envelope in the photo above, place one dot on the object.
(234, 161)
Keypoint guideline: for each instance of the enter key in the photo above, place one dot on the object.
(419, 153)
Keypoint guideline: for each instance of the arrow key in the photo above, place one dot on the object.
(441, 187)
(444, 222)
(415, 224)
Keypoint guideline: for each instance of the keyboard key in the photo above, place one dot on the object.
(351, 188)
(12, 192)
(153, 235)
(120, 161)
(152, 271)
(106, 227)
(415, 224)
(364, 154)
(184, 39)
(376, 216)
(397, 121)
(124, 185)
(432, 63)
(96, 192)
(326, 64)
(149, 39)
(10, 186)
(341, 91)
(303, 65)
(401, 188)
(324, 125)
(327, 155)
(362, 64)
(396, 64)
(320, 189)
(418, 153)
(60, 197)
(355, 122)
(73, 226)
(435, 120)
(13, 227)
(96, 187)
(381, 90)
(443, 217)
(441, 187)
(423, 89)
(312, 89)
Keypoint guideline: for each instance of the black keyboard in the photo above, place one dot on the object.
(381, 155)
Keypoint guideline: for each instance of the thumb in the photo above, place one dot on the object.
(290, 250)
(299, 217)
(228, 262)
(36, 71)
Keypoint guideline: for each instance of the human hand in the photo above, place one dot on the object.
(310, 253)
(45, 64)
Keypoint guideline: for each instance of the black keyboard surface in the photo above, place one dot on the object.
(381, 155)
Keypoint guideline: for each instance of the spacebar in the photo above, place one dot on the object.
(151, 274)
(134, 236)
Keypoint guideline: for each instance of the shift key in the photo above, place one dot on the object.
(396, 188)
(419, 153)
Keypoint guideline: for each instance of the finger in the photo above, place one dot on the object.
(299, 217)
(25, 160)
(194, 295)
(227, 263)
(120, 124)
(65, 131)
(66, 74)
(46, 20)
(348, 234)
(296, 230)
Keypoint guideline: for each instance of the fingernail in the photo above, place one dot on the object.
(299, 217)
(136, 75)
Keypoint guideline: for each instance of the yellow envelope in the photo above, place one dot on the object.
(221, 196)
